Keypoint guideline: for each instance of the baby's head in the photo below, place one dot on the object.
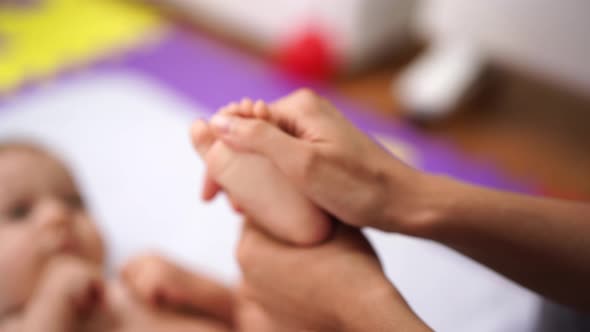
(42, 216)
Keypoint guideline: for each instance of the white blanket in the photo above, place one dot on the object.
(127, 140)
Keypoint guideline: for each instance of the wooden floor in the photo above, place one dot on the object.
(531, 130)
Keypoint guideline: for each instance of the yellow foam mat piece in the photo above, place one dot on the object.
(38, 40)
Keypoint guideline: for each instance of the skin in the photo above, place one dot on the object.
(293, 218)
(42, 216)
(543, 244)
(167, 287)
(161, 283)
(312, 300)
(55, 256)
(342, 289)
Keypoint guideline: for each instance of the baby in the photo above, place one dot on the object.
(52, 256)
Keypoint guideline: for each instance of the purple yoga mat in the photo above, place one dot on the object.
(210, 74)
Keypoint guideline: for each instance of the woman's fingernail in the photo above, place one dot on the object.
(221, 123)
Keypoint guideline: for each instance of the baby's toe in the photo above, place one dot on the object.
(232, 108)
(261, 110)
(246, 106)
(202, 137)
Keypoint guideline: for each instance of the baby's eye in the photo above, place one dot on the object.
(20, 211)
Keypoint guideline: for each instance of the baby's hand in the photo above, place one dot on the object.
(71, 291)
(77, 282)
(155, 280)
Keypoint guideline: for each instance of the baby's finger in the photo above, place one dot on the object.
(92, 297)
(131, 270)
(147, 288)
(84, 287)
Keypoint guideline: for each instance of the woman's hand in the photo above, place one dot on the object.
(336, 165)
(539, 243)
(336, 286)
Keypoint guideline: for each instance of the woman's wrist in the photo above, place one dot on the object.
(444, 208)
(421, 203)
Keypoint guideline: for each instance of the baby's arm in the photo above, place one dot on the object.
(258, 187)
(69, 293)
(163, 321)
(163, 284)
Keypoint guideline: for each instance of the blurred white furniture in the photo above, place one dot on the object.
(546, 38)
(357, 30)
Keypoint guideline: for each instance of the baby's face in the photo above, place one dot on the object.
(41, 216)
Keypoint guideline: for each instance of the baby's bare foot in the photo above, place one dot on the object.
(257, 186)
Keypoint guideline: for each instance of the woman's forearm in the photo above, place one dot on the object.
(543, 244)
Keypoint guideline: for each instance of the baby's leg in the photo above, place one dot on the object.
(263, 193)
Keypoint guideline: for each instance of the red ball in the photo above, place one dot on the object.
(309, 54)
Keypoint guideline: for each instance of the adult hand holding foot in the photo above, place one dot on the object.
(335, 285)
(327, 158)
(543, 244)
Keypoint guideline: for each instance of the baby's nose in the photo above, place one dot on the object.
(54, 212)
